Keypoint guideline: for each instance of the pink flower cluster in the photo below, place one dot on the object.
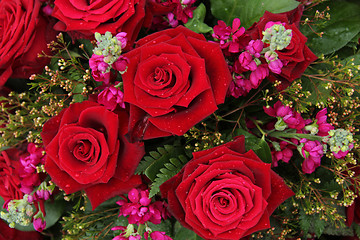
(139, 209)
(28, 173)
(252, 61)
(311, 150)
(100, 68)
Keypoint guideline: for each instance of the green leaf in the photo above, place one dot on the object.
(249, 11)
(343, 26)
(259, 146)
(78, 97)
(305, 222)
(319, 226)
(356, 229)
(182, 233)
(196, 23)
(318, 89)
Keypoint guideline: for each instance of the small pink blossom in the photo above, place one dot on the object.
(291, 118)
(121, 64)
(140, 209)
(312, 151)
(111, 97)
(275, 66)
(172, 21)
(99, 69)
(39, 224)
(270, 24)
(239, 87)
(246, 61)
(157, 235)
(121, 37)
(47, 10)
(324, 127)
(255, 47)
(260, 73)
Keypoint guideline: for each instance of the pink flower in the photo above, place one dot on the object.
(99, 68)
(121, 64)
(275, 66)
(323, 126)
(291, 118)
(255, 47)
(140, 209)
(247, 62)
(156, 235)
(121, 37)
(110, 97)
(239, 87)
(39, 224)
(312, 151)
(260, 73)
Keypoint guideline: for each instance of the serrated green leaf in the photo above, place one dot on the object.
(144, 164)
(170, 166)
(161, 150)
(343, 26)
(176, 162)
(182, 233)
(168, 148)
(155, 155)
(249, 11)
(305, 222)
(183, 159)
(158, 164)
(196, 23)
(319, 226)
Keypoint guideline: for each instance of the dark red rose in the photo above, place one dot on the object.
(7, 233)
(297, 56)
(100, 16)
(10, 182)
(353, 212)
(24, 34)
(86, 149)
(225, 192)
(175, 79)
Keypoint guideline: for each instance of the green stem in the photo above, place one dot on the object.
(295, 135)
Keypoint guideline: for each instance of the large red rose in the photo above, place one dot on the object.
(10, 182)
(86, 149)
(296, 56)
(225, 192)
(175, 79)
(7, 233)
(24, 34)
(87, 17)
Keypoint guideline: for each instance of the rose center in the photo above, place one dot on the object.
(163, 76)
(83, 150)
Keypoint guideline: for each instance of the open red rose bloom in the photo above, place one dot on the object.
(225, 192)
(174, 80)
(87, 150)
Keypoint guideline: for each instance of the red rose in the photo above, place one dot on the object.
(353, 212)
(100, 16)
(7, 233)
(175, 79)
(86, 149)
(24, 34)
(10, 182)
(296, 56)
(225, 193)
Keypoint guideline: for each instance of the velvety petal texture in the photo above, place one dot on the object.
(86, 149)
(225, 192)
(24, 34)
(87, 17)
(174, 80)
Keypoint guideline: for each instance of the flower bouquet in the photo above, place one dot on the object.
(179, 119)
